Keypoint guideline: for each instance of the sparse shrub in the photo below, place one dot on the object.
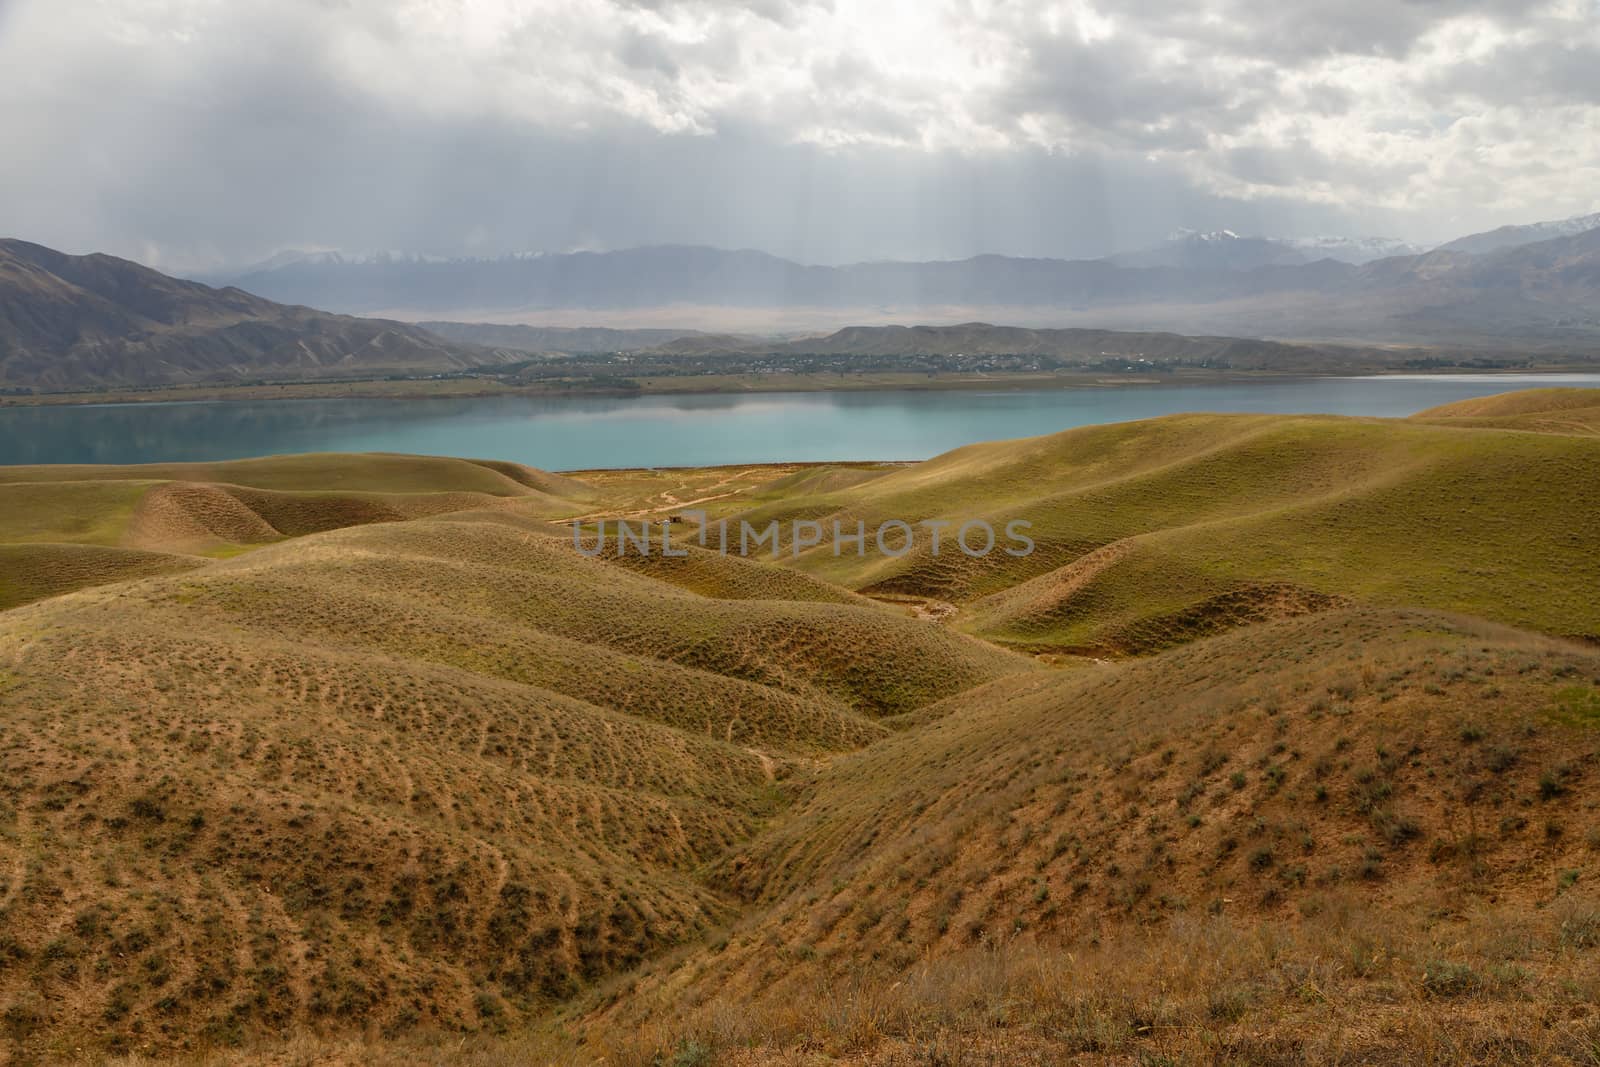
(1395, 829)
(1441, 979)
(1229, 1003)
(1551, 783)
(1371, 867)
(688, 1053)
(1500, 759)
(1580, 927)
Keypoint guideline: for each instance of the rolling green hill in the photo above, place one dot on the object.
(150, 518)
(1154, 532)
(1569, 411)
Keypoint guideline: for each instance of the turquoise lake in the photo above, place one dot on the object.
(575, 433)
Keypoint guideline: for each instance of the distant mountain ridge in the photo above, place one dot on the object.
(982, 338)
(1516, 236)
(74, 321)
(558, 339)
(1355, 250)
(1543, 292)
(692, 274)
(1227, 250)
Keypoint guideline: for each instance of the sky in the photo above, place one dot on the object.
(201, 134)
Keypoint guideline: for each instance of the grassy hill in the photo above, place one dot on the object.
(1383, 818)
(1155, 532)
(150, 518)
(435, 773)
(1571, 411)
(1281, 747)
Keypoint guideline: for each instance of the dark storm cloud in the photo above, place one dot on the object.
(196, 132)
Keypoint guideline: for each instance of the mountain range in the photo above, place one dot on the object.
(1226, 250)
(76, 321)
(1531, 285)
(574, 340)
(85, 322)
(1515, 236)
(69, 322)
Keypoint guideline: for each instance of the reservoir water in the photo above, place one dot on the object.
(575, 433)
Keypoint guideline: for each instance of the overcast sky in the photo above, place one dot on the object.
(193, 133)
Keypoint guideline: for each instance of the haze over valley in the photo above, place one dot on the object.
(74, 322)
(1532, 285)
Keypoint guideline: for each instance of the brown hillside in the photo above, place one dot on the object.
(1382, 818)
(1281, 749)
(1575, 411)
(209, 509)
(96, 320)
(428, 773)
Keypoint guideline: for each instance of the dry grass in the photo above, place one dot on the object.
(163, 512)
(1567, 411)
(439, 773)
(1341, 986)
(30, 572)
(1201, 855)
(347, 760)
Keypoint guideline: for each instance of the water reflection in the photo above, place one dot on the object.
(568, 433)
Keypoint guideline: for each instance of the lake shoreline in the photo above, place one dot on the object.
(690, 430)
(473, 388)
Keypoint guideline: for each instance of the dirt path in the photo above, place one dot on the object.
(661, 501)
(919, 607)
(768, 767)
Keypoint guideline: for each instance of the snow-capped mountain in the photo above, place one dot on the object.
(1211, 250)
(1356, 250)
(1513, 236)
(325, 257)
(1230, 250)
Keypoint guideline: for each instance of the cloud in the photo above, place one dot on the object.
(193, 132)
